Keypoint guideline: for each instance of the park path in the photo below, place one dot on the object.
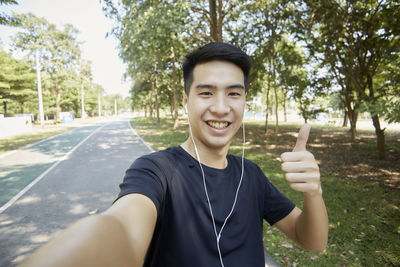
(20, 167)
(80, 172)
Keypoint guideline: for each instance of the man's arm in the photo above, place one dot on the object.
(309, 227)
(118, 237)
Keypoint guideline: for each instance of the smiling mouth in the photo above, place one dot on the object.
(217, 124)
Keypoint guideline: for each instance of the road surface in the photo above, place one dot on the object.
(62, 179)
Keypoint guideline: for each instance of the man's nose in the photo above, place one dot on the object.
(220, 105)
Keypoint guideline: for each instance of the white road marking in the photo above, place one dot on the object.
(140, 138)
(37, 179)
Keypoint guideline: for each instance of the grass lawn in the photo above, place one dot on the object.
(15, 142)
(364, 216)
(39, 133)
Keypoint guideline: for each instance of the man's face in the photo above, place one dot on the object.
(216, 103)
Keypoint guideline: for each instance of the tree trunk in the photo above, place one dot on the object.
(353, 131)
(380, 133)
(174, 90)
(276, 97)
(58, 98)
(150, 104)
(171, 107)
(303, 113)
(267, 102)
(266, 110)
(220, 20)
(380, 137)
(5, 108)
(345, 119)
(351, 109)
(76, 110)
(156, 94)
(285, 92)
(353, 117)
(21, 106)
(216, 20)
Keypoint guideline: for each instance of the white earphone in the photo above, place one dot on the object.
(218, 234)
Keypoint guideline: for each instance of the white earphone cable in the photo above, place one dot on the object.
(218, 235)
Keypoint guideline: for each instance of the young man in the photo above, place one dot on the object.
(195, 205)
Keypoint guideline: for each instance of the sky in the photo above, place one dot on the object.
(89, 19)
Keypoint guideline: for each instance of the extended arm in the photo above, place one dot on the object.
(118, 237)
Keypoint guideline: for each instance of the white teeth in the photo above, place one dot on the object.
(218, 125)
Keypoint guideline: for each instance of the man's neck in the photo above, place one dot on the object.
(215, 158)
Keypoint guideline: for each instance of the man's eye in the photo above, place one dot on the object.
(234, 94)
(206, 93)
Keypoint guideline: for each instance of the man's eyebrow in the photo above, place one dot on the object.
(210, 86)
(205, 86)
(236, 86)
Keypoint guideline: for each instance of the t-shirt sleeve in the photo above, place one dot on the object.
(144, 177)
(276, 205)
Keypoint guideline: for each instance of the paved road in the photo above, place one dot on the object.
(91, 163)
(21, 167)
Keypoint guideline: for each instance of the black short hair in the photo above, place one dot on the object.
(215, 51)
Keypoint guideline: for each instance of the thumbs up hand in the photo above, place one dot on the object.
(301, 169)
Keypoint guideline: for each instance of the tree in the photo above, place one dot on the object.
(71, 84)
(261, 26)
(211, 20)
(17, 81)
(150, 34)
(59, 50)
(359, 39)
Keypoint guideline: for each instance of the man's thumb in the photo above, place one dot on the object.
(302, 138)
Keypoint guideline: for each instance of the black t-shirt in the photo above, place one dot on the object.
(184, 233)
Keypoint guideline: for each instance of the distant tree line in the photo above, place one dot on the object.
(65, 75)
(344, 52)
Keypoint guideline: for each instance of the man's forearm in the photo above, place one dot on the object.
(312, 225)
(98, 240)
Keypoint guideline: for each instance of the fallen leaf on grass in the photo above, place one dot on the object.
(287, 245)
(93, 212)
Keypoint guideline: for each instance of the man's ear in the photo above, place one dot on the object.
(184, 99)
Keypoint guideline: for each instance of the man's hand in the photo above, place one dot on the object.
(300, 166)
(307, 227)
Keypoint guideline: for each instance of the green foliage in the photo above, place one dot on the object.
(17, 81)
(66, 78)
(59, 51)
(7, 19)
(358, 41)
(151, 35)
